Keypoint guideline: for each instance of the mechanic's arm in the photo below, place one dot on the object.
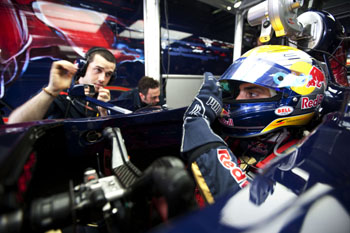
(61, 74)
(213, 165)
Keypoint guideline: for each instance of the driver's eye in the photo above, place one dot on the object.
(253, 94)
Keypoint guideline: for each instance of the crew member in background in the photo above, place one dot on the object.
(265, 102)
(98, 69)
(146, 94)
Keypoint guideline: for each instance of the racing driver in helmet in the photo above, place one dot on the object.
(264, 102)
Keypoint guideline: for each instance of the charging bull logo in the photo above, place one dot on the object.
(227, 122)
(314, 78)
(225, 118)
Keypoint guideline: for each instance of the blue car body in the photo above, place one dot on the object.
(305, 191)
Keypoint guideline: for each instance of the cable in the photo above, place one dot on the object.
(278, 142)
(126, 163)
(288, 150)
(322, 51)
(119, 145)
(344, 37)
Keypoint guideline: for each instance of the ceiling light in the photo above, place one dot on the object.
(237, 4)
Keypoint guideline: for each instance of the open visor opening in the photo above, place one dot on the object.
(230, 91)
(264, 73)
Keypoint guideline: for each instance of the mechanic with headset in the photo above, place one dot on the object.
(98, 69)
(264, 103)
(147, 94)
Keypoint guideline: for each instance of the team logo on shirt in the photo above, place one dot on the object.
(225, 119)
(228, 122)
(236, 172)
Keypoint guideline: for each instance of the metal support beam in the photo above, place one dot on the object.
(151, 19)
(238, 35)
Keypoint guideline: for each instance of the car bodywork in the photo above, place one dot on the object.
(306, 190)
(295, 192)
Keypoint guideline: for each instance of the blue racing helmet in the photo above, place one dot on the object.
(296, 82)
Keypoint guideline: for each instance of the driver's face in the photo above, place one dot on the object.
(252, 91)
(152, 97)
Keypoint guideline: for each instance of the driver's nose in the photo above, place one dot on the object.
(240, 96)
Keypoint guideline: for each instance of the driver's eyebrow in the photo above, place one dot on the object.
(249, 88)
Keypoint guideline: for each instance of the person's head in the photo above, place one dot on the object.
(268, 88)
(149, 90)
(99, 68)
(250, 91)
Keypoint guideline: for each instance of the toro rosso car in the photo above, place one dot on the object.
(114, 171)
(123, 173)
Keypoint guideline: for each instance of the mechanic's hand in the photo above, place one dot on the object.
(208, 102)
(105, 96)
(61, 75)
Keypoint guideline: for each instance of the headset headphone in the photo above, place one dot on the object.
(83, 63)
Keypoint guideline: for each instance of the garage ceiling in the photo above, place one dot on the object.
(212, 18)
(340, 9)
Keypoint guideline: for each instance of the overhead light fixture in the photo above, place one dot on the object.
(237, 4)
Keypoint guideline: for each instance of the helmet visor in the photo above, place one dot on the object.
(263, 72)
(231, 89)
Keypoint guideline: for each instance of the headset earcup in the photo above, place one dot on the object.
(82, 65)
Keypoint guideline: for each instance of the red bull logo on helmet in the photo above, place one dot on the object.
(316, 78)
(311, 103)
